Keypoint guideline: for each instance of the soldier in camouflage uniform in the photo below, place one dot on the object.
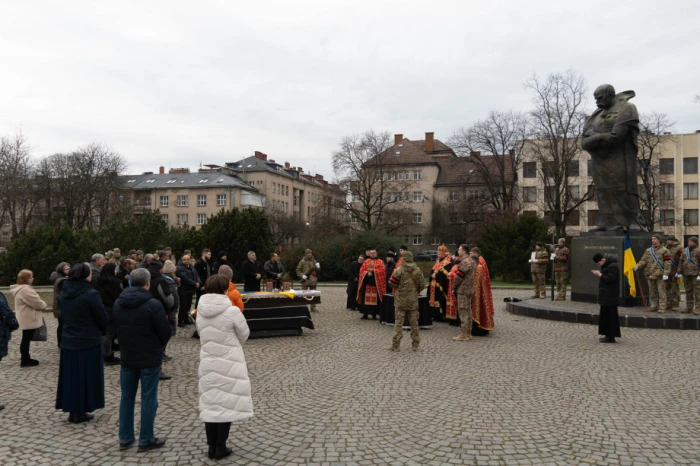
(408, 281)
(561, 268)
(673, 292)
(306, 271)
(656, 262)
(463, 289)
(538, 267)
(689, 269)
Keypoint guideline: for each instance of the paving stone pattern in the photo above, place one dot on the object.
(534, 392)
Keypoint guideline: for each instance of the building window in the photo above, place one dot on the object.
(417, 218)
(666, 166)
(550, 194)
(453, 218)
(406, 196)
(530, 194)
(6, 220)
(164, 201)
(221, 199)
(418, 175)
(529, 169)
(690, 217)
(353, 218)
(201, 200)
(417, 196)
(592, 218)
(182, 219)
(399, 176)
(574, 218)
(666, 217)
(454, 195)
(549, 169)
(573, 168)
(164, 218)
(434, 241)
(296, 199)
(667, 191)
(690, 165)
(690, 190)
(591, 191)
(574, 192)
(589, 167)
(5, 237)
(418, 239)
(201, 219)
(183, 200)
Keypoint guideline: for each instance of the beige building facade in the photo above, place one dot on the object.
(675, 166)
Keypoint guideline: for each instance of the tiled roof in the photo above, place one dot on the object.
(465, 170)
(438, 147)
(188, 180)
(404, 153)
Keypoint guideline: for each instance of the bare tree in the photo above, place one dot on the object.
(653, 196)
(83, 185)
(284, 226)
(458, 220)
(502, 136)
(557, 123)
(374, 192)
(19, 196)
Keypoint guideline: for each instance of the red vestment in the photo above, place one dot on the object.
(482, 301)
(369, 294)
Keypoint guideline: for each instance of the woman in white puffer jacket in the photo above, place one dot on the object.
(224, 387)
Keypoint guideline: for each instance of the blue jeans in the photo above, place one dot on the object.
(149, 403)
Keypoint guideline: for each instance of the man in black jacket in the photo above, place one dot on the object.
(160, 290)
(608, 292)
(252, 273)
(203, 268)
(143, 331)
(274, 270)
(189, 284)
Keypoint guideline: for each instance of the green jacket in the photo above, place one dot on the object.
(307, 267)
(408, 281)
(651, 267)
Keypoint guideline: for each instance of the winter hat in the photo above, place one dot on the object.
(169, 267)
(79, 271)
(694, 239)
(671, 238)
(408, 257)
(597, 257)
(308, 251)
(657, 236)
(539, 244)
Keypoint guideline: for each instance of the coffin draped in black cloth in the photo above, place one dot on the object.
(278, 318)
(386, 315)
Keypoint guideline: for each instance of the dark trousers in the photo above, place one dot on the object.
(609, 322)
(185, 308)
(27, 336)
(199, 294)
(108, 337)
(129, 380)
(217, 434)
(59, 331)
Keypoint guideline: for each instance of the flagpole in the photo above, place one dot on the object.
(644, 301)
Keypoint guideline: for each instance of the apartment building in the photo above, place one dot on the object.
(287, 189)
(190, 198)
(676, 167)
(440, 189)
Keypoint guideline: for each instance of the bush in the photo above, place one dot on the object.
(507, 246)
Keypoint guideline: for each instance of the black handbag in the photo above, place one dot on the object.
(41, 334)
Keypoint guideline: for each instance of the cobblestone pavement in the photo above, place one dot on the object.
(534, 392)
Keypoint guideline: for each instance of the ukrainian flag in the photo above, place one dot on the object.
(629, 264)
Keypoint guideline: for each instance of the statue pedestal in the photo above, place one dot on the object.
(584, 285)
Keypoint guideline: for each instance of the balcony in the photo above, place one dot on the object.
(140, 207)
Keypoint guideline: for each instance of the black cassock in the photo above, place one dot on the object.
(353, 277)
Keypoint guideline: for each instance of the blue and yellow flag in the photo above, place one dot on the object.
(629, 264)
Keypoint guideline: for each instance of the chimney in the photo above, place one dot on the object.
(511, 152)
(272, 161)
(162, 170)
(429, 142)
(319, 177)
(286, 165)
(398, 138)
(475, 153)
(175, 171)
(260, 155)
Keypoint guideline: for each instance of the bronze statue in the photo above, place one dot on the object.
(610, 136)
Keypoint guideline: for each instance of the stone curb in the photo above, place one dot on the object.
(656, 321)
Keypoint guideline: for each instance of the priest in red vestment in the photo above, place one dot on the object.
(439, 281)
(482, 300)
(371, 285)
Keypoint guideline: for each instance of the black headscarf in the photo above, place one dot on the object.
(79, 271)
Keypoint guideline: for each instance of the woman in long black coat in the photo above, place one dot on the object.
(608, 292)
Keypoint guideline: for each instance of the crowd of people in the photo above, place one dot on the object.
(459, 290)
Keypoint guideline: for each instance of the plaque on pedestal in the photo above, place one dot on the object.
(584, 285)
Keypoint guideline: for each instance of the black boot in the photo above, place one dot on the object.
(210, 429)
(222, 430)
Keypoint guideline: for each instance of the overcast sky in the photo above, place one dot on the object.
(178, 83)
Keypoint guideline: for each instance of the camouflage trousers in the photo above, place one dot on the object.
(692, 294)
(657, 294)
(538, 280)
(464, 307)
(399, 317)
(560, 278)
(673, 293)
(312, 306)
